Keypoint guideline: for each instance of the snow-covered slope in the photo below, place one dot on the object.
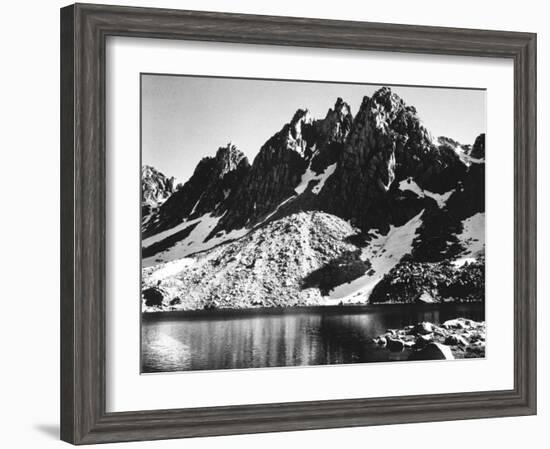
(197, 239)
(383, 252)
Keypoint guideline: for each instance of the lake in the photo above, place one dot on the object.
(179, 341)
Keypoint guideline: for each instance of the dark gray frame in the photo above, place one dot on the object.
(83, 31)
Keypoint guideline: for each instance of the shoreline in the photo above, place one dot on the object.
(354, 309)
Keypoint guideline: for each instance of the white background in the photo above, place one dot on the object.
(29, 222)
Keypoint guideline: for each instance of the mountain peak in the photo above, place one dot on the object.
(337, 122)
(229, 151)
(341, 107)
(301, 118)
(385, 95)
(301, 115)
(228, 159)
(347, 166)
(156, 188)
(149, 170)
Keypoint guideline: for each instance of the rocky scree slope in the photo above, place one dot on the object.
(279, 264)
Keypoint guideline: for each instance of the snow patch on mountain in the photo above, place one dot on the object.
(196, 204)
(164, 234)
(310, 176)
(410, 185)
(467, 159)
(271, 214)
(472, 236)
(195, 242)
(165, 270)
(383, 252)
(462, 261)
(323, 178)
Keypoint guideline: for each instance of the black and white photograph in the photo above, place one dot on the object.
(279, 224)
(291, 223)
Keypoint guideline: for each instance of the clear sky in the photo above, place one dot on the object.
(186, 118)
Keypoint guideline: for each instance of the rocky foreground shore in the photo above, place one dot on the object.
(454, 339)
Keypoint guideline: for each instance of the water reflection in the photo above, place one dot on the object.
(316, 337)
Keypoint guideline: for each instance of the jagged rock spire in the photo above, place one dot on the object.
(213, 182)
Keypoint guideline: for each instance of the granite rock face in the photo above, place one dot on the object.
(303, 145)
(386, 145)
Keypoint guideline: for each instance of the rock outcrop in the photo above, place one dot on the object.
(459, 338)
(411, 281)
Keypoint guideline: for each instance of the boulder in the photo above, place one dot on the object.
(175, 301)
(433, 351)
(455, 340)
(423, 328)
(457, 323)
(477, 337)
(475, 351)
(422, 341)
(395, 345)
(153, 297)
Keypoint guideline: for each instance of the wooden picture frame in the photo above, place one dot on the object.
(84, 29)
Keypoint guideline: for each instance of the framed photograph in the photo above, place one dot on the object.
(274, 223)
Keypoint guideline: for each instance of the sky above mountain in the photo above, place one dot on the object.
(187, 118)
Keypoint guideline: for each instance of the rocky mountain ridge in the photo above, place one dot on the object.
(378, 172)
